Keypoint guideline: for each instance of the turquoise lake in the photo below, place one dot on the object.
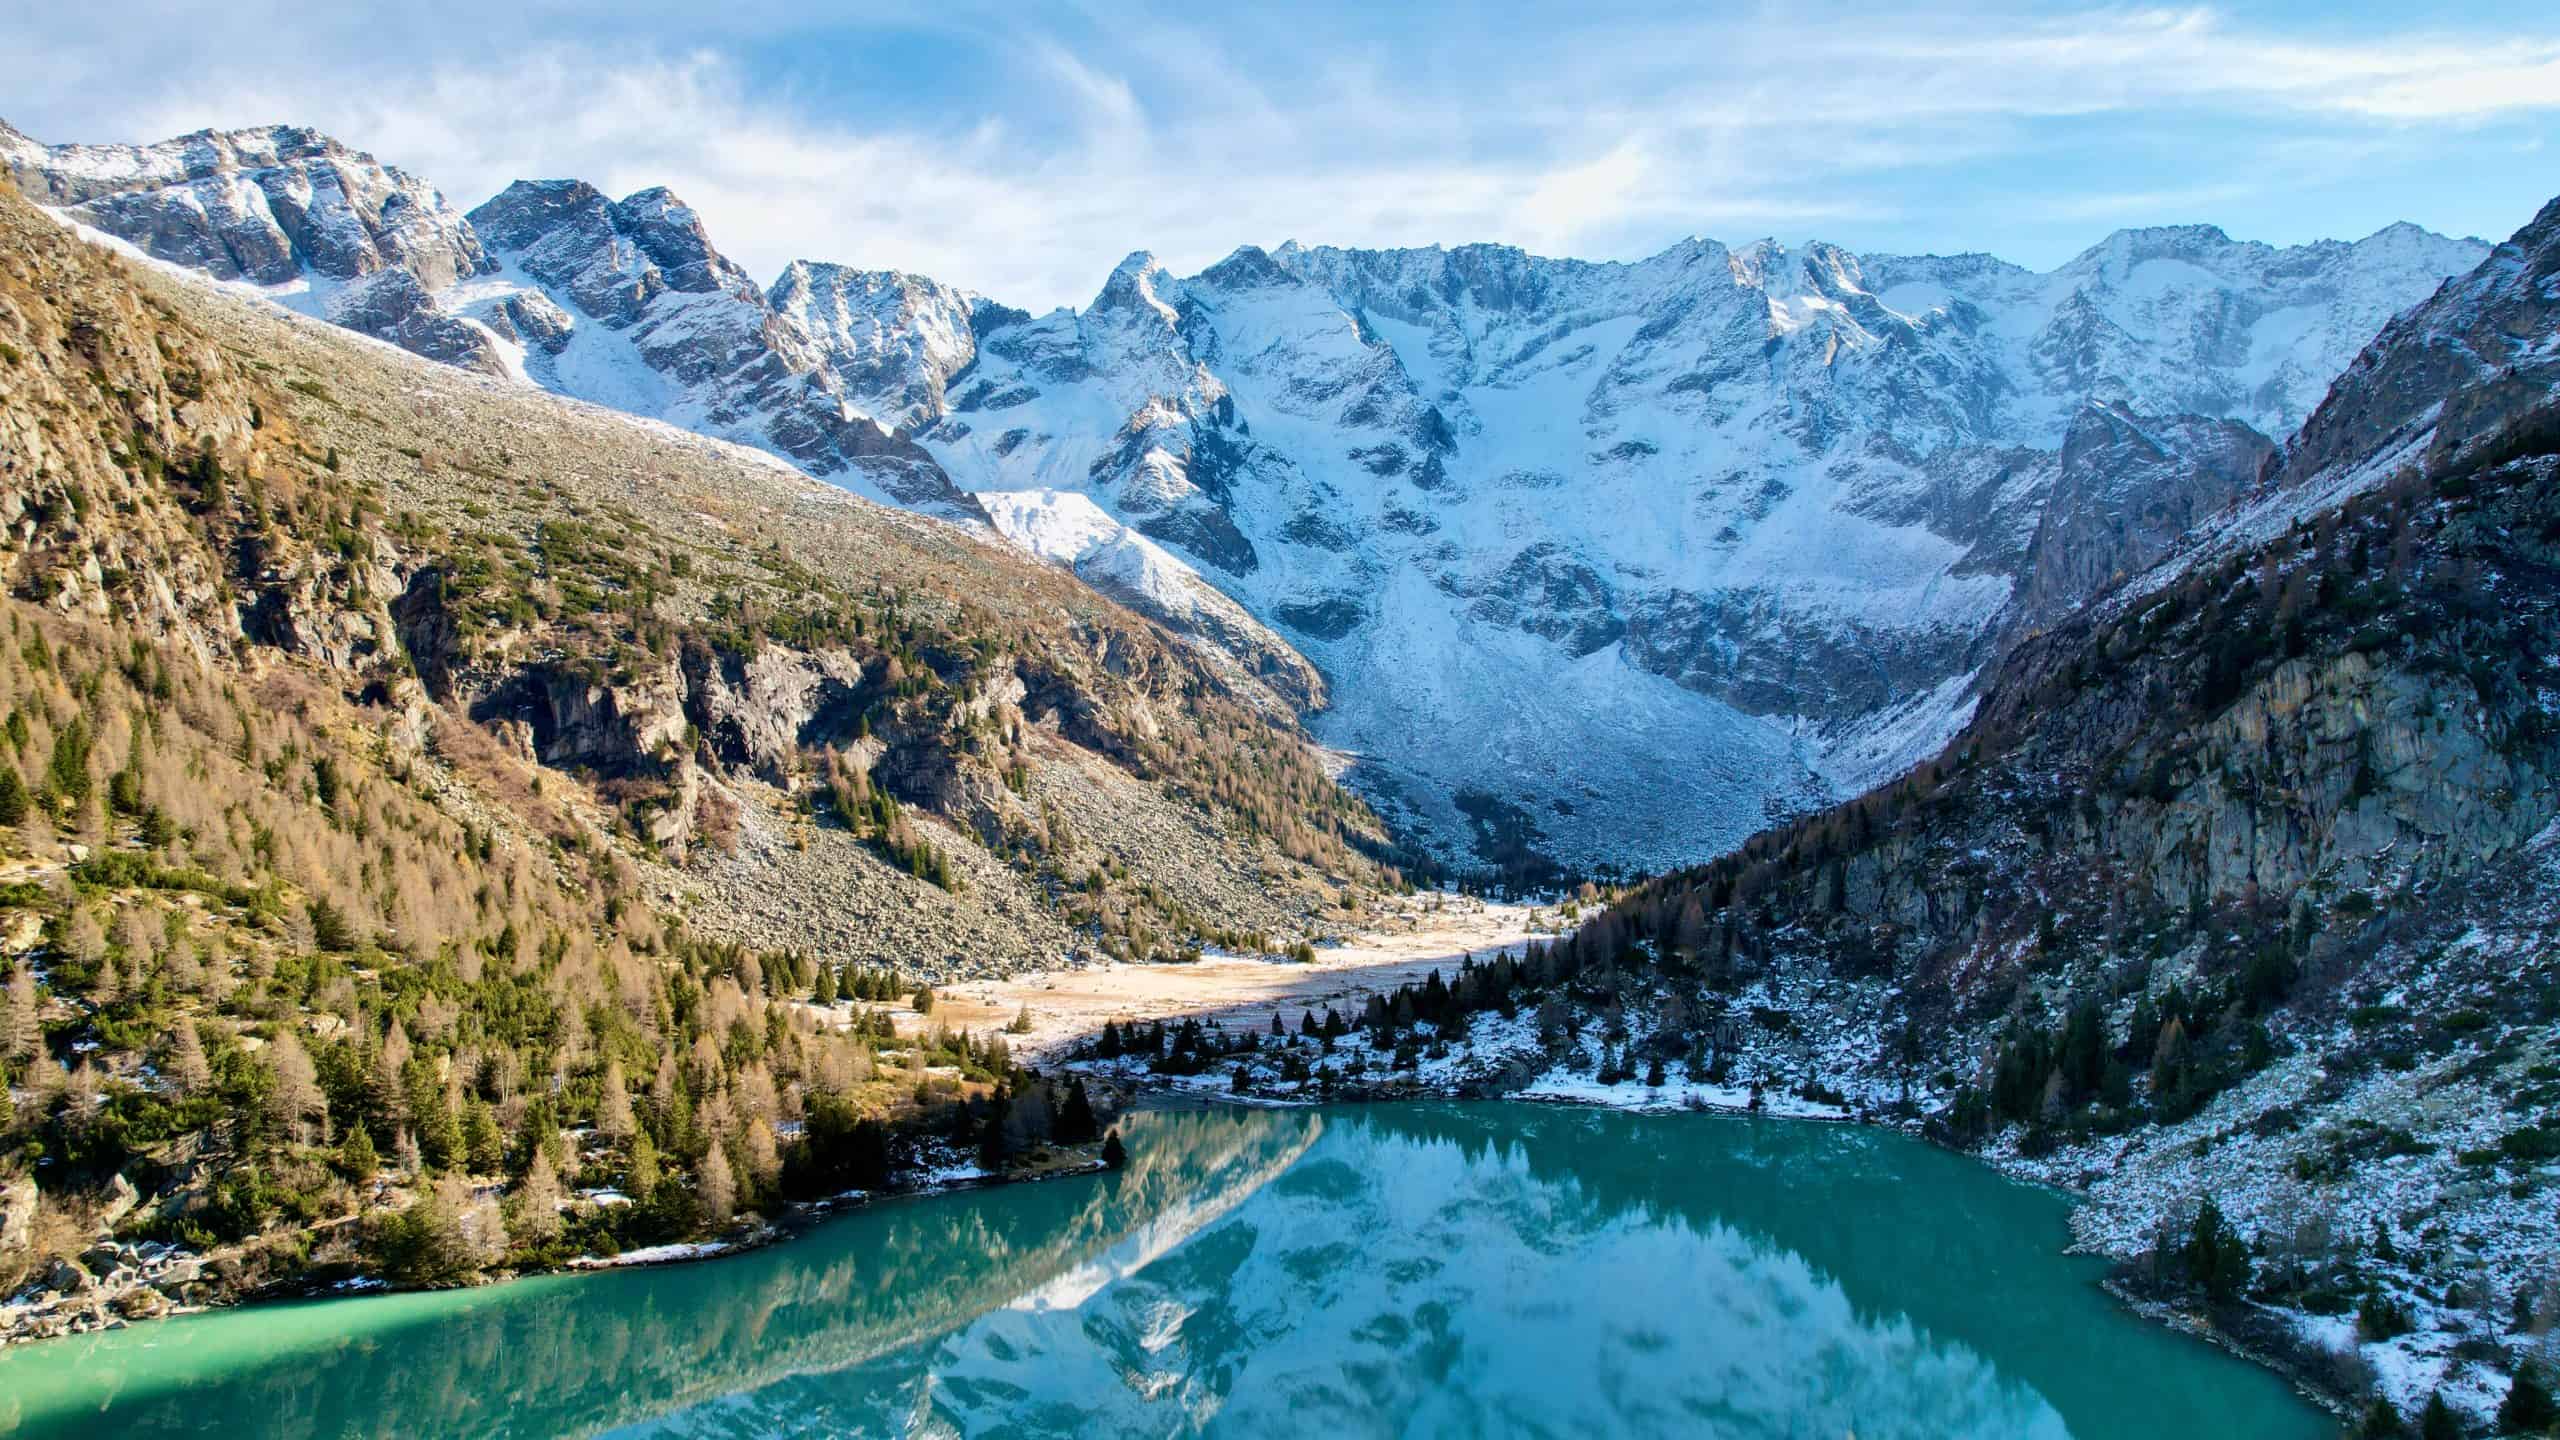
(1408, 1270)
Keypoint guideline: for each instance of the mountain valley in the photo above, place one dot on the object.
(525, 747)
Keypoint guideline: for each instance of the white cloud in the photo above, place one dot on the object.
(1112, 132)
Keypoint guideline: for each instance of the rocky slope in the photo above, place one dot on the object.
(693, 631)
(1677, 545)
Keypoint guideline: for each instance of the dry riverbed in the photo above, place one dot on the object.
(1431, 932)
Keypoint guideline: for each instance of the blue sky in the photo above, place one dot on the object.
(1022, 150)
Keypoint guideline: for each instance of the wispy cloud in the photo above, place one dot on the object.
(1038, 145)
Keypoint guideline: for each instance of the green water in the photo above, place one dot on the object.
(1422, 1270)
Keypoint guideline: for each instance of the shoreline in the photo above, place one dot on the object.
(26, 1326)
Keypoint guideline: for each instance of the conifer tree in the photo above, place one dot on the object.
(537, 1218)
(1114, 1154)
(357, 1159)
(2528, 1408)
(2437, 1421)
(296, 1099)
(2217, 1260)
(644, 1172)
(21, 1030)
(484, 1149)
(993, 1144)
(1076, 1122)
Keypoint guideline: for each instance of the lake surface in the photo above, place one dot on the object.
(1414, 1270)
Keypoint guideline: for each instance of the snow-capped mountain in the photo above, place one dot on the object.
(1646, 548)
(626, 303)
(1608, 561)
(319, 227)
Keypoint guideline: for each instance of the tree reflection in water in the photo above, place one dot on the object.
(1423, 1269)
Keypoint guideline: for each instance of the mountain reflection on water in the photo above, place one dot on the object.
(1420, 1270)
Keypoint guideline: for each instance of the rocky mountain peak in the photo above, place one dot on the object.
(670, 233)
(2446, 373)
(892, 339)
(528, 209)
(1137, 286)
(1246, 267)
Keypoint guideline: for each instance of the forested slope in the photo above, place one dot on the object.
(427, 802)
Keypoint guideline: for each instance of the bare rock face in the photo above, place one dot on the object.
(18, 1202)
(273, 206)
(755, 713)
(2125, 487)
(586, 720)
(2474, 356)
(534, 321)
(391, 305)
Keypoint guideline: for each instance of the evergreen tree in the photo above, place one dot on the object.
(483, 1148)
(993, 1145)
(1653, 1076)
(1114, 1154)
(824, 992)
(1076, 1122)
(2437, 1421)
(67, 773)
(2217, 1260)
(13, 797)
(2382, 1421)
(644, 1172)
(357, 1159)
(2084, 1049)
(2528, 1408)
